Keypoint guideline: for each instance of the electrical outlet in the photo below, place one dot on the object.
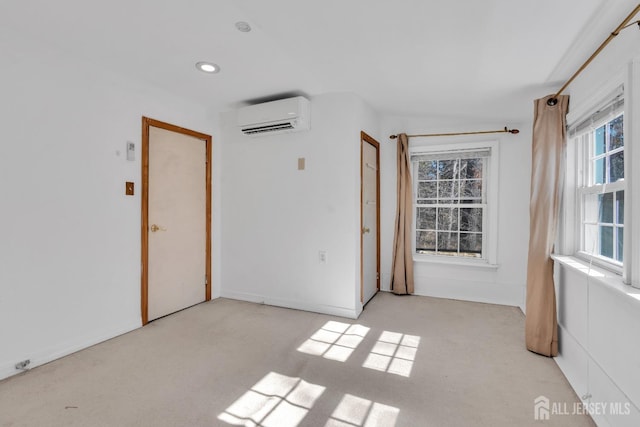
(23, 365)
(322, 257)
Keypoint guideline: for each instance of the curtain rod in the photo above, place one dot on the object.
(624, 24)
(505, 130)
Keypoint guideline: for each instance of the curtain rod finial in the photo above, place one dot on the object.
(552, 101)
(512, 131)
(393, 136)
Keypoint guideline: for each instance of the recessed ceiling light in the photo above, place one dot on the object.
(208, 67)
(243, 26)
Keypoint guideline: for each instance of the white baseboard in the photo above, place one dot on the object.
(465, 290)
(477, 292)
(298, 305)
(7, 369)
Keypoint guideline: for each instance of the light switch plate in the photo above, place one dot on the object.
(128, 189)
(301, 163)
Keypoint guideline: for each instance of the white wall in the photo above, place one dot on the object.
(277, 218)
(503, 285)
(598, 316)
(598, 345)
(70, 238)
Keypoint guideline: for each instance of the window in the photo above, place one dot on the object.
(600, 185)
(451, 201)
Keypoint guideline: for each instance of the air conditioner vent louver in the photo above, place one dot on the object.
(268, 128)
(284, 115)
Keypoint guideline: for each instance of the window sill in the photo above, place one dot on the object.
(600, 262)
(457, 262)
(598, 274)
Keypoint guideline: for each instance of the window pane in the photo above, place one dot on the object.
(471, 219)
(591, 238)
(425, 241)
(471, 189)
(605, 203)
(620, 231)
(447, 242)
(616, 136)
(616, 166)
(448, 189)
(471, 168)
(620, 207)
(471, 243)
(599, 141)
(606, 241)
(448, 219)
(426, 219)
(427, 190)
(591, 207)
(599, 171)
(448, 169)
(427, 170)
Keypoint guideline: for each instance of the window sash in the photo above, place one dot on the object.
(590, 244)
(458, 231)
(590, 157)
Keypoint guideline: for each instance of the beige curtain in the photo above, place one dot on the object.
(549, 138)
(402, 268)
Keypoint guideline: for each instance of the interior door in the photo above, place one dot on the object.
(177, 220)
(370, 218)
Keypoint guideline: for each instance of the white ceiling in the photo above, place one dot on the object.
(476, 59)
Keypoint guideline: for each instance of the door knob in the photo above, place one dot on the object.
(155, 228)
(365, 230)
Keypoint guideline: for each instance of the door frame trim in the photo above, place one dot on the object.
(144, 228)
(366, 139)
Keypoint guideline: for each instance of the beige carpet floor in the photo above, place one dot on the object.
(408, 361)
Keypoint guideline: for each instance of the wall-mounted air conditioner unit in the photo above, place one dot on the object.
(284, 115)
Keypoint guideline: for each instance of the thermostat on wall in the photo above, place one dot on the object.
(131, 151)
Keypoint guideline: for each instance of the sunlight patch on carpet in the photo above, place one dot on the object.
(356, 411)
(275, 401)
(335, 341)
(393, 353)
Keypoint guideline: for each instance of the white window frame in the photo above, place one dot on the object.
(584, 150)
(578, 178)
(490, 215)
